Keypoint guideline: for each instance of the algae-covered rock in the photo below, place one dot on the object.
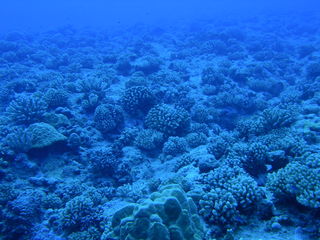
(44, 135)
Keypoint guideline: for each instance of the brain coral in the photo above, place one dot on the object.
(168, 214)
(108, 117)
(168, 119)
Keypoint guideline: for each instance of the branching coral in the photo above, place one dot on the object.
(19, 140)
(168, 119)
(26, 109)
(56, 98)
(79, 214)
(212, 76)
(137, 100)
(103, 160)
(300, 180)
(108, 117)
(230, 194)
(277, 117)
(149, 139)
(175, 146)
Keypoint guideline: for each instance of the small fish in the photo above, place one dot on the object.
(269, 167)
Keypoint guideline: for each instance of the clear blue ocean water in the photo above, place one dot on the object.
(159, 120)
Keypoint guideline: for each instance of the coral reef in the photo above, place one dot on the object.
(137, 99)
(108, 117)
(175, 146)
(299, 179)
(168, 119)
(197, 130)
(26, 110)
(149, 139)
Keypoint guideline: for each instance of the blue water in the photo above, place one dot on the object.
(44, 15)
(159, 120)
